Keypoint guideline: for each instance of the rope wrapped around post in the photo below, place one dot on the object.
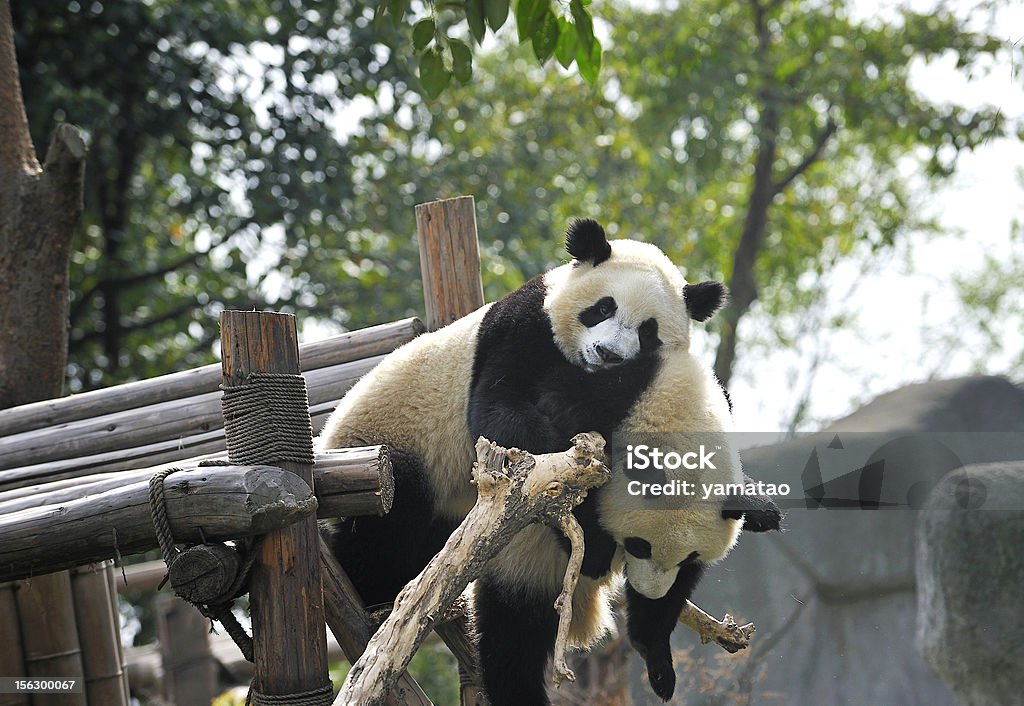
(261, 416)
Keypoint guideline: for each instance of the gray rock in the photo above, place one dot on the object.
(970, 576)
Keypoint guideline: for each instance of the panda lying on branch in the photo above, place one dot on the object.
(599, 344)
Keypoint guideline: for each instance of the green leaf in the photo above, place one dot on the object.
(568, 40)
(475, 17)
(496, 12)
(529, 16)
(433, 75)
(589, 62)
(546, 37)
(462, 61)
(397, 10)
(422, 34)
(584, 24)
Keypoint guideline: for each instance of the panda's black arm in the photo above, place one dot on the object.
(502, 412)
(650, 623)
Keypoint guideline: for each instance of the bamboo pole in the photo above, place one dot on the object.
(190, 671)
(345, 348)
(12, 661)
(212, 504)
(98, 634)
(449, 259)
(50, 635)
(285, 593)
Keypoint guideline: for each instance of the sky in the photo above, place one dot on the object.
(904, 302)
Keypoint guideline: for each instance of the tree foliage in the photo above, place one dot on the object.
(272, 156)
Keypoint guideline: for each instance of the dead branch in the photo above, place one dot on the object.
(514, 489)
(563, 604)
(725, 632)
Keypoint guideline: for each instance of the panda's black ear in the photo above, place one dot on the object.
(585, 240)
(704, 299)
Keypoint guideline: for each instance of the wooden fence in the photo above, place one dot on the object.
(74, 489)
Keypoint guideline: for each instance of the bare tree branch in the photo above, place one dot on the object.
(819, 145)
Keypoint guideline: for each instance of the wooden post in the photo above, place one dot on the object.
(285, 595)
(50, 636)
(98, 632)
(449, 259)
(452, 288)
(190, 671)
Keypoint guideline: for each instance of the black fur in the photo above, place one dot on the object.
(650, 626)
(524, 393)
(759, 512)
(518, 639)
(704, 299)
(397, 545)
(585, 240)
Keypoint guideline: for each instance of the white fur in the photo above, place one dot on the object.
(416, 400)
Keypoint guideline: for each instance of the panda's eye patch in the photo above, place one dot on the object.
(601, 310)
(649, 334)
(640, 548)
(692, 557)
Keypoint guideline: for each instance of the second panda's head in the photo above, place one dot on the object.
(621, 300)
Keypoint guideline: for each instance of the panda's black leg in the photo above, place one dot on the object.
(650, 623)
(516, 636)
(381, 554)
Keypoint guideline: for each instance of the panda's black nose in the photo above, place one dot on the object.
(607, 356)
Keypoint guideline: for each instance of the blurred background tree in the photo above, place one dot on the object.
(271, 156)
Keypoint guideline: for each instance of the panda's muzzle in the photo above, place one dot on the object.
(608, 357)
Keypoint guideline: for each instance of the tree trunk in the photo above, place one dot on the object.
(742, 283)
(38, 212)
(39, 208)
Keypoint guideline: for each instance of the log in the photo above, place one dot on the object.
(285, 596)
(174, 419)
(336, 350)
(350, 483)
(449, 259)
(215, 504)
(514, 489)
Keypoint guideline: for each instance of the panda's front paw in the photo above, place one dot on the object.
(662, 676)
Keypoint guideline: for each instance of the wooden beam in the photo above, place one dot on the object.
(285, 594)
(349, 482)
(352, 628)
(172, 420)
(215, 503)
(449, 259)
(336, 350)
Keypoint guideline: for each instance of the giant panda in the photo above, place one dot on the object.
(666, 542)
(570, 351)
